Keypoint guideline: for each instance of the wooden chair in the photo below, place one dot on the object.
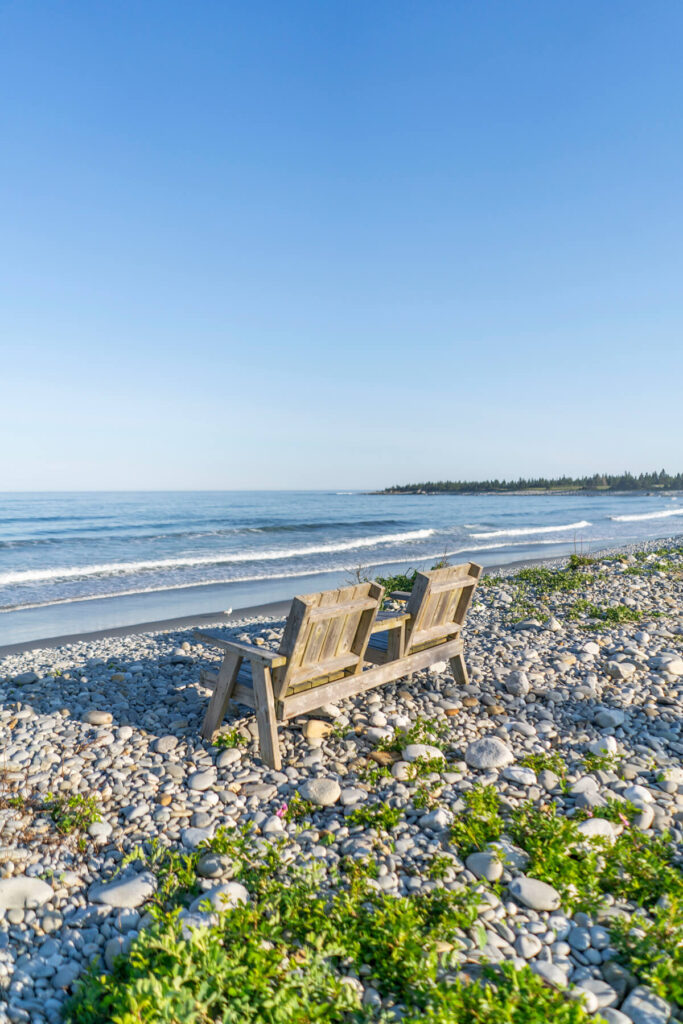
(328, 641)
(324, 643)
(434, 615)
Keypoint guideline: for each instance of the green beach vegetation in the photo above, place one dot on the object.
(295, 950)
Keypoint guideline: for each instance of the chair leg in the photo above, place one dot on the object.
(459, 669)
(265, 716)
(396, 641)
(220, 698)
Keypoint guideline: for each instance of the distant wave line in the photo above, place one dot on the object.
(648, 515)
(72, 537)
(127, 568)
(528, 530)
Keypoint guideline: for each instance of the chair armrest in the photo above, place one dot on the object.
(250, 651)
(391, 621)
(400, 595)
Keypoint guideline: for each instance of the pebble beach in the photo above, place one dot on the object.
(556, 679)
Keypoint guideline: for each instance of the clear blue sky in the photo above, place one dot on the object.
(338, 244)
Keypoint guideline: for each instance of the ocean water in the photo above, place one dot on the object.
(82, 561)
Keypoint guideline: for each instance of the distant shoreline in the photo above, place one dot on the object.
(532, 491)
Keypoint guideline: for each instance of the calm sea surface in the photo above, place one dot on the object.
(75, 562)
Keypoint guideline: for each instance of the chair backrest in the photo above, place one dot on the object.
(438, 604)
(326, 636)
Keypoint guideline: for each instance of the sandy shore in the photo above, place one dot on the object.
(573, 708)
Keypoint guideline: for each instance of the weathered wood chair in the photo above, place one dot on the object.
(325, 649)
(433, 618)
(323, 645)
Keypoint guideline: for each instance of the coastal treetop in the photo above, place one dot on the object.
(598, 482)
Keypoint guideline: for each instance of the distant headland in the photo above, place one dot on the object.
(597, 484)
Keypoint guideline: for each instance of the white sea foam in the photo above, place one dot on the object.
(423, 562)
(648, 515)
(128, 568)
(524, 531)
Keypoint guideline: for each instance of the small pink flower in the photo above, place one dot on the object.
(281, 811)
(624, 820)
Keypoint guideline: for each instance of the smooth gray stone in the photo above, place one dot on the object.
(579, 938)
(192, 837)
(612, 1016)
(488, 752)
(528, 946)
(165, 744)
(97, 717)
(534, 894)
(21, 892)
(66, 975)
(117, 946)
(610, 718)
(228, 757)
(519, 775)
(125, 892)
(604, 993)
(221, 897)
(436, 820)
(517, 683)
(415, 751)
(644, 1007)
(616, 975)
(213, 865)
(485, 865)
(323, 792)
(550, 973)
(201, 781)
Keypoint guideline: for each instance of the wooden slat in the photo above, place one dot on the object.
(352, 685)
(453, 602)
(455, 583)
(388, 620)
(296, 623)
(434, 633)
(251, 651)
(439, 603)
(265, 717)
(330, 647)
(209, 679)
(323, 668)
(416, 605)
(348, 608)
(359, 643)
(396, 645)
(244, 695)
(467, 594)
(431, 608)
(317, 627)
(459, 669)
(225, 683)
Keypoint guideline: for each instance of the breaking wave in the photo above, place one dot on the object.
(524, 531)
(128, 568)
(648, 515)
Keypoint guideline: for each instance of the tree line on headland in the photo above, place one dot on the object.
(597, 482)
